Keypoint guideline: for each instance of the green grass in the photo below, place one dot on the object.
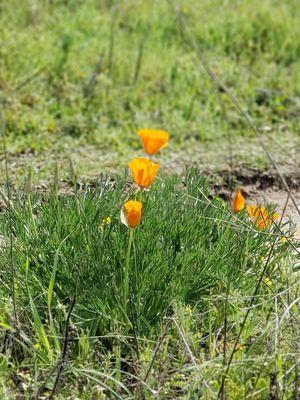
(189, 255)
(77, 73)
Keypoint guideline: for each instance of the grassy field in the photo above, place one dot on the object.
(197, 302)
(89, 73)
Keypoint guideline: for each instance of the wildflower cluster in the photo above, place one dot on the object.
(144, 171)
(261, 217)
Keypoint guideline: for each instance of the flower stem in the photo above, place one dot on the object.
(127, 269)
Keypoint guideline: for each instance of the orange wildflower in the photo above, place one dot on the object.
(238, 202)
(153, 140)
(261, 216)
(144, 171)
(132, 213)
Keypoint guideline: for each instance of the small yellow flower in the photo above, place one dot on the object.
(283, 239)
(37, 346)
(188, 310)
(106, 221)
(268, 282)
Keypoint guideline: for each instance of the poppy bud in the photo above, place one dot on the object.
(132, 213)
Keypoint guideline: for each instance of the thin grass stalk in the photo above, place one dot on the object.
(64, 350)
(32, 215)
(9, 205)
(274, 388)
(189, 353)
(50, 295)
(30, 78)
(157, 347)
(72, 174)
(127, 269)
(138, 64)
(133, 307)
(111, 47)
(134, 326)
(55, 178)
(38, 324)
(226, 322)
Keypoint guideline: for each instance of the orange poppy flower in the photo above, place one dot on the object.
(153, 140)
(261, 216)
(132, 213)
(144, 171)
(238, 202)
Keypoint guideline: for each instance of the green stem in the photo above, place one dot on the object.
(127, 269)
(32, 216)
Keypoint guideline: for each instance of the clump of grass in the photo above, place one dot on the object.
(190, 255)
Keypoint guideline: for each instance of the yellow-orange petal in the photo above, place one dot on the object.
(275, 216)
(238, 202)
(144, 171)
(261, 216)
(132, 213)
(251, 210)
(153, 139)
